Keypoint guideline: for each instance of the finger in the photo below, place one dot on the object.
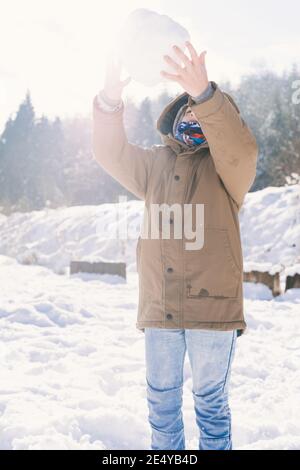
(170, 76)
(118, 62)
(193, 52)
(182, 56)
(110, 65)
(202, 57)
(126, 81)
(108, 60)
(113, 61)
(173, 63)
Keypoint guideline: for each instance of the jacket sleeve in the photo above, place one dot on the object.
(127, 163)
(232, 145)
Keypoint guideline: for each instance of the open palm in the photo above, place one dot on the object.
(113, 85)
(193, 75)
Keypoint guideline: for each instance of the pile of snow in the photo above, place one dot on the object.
(54, 237)
(291, 271)
(270, 228)
(262, 267)
(143, 40)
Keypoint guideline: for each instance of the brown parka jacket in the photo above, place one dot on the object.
(181, 287)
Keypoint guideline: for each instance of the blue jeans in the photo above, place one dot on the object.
(210, 354)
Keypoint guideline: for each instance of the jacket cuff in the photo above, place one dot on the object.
(205, 95)
(211, 106)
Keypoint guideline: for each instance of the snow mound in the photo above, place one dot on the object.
(291, 271)
(270, 230)
(55, 237)
(143, 40)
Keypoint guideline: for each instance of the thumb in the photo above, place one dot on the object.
(126, 81)
(202, 57)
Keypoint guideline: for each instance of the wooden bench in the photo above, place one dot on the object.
(100, 267)
(270, 280)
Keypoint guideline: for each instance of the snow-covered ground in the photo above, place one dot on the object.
(72, 361)
(73, 372)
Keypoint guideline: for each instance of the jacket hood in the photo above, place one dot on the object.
(166, 118)
(164, 124)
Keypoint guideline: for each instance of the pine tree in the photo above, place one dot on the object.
(144, 128)
(17, 154)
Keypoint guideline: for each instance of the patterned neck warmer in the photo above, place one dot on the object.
(190, 133)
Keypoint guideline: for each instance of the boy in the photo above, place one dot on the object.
(188, 299)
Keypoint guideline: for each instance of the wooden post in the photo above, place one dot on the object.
(292, 282)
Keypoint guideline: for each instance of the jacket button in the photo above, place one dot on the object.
(169, 270)
(177, 177)
(169, 316)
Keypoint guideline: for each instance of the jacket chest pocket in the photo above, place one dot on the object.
(212, 271)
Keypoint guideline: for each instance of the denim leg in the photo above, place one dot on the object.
(165, 352)
(211, 354)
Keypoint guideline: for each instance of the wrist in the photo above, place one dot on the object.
(110, 101)
(105, 106)
(204, 95)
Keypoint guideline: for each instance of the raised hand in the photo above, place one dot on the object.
(193, 75)
(113, 85)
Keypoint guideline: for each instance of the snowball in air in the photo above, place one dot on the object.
(144, 39)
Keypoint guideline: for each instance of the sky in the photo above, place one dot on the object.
(57, 48)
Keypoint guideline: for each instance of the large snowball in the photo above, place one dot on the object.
(143, 40)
